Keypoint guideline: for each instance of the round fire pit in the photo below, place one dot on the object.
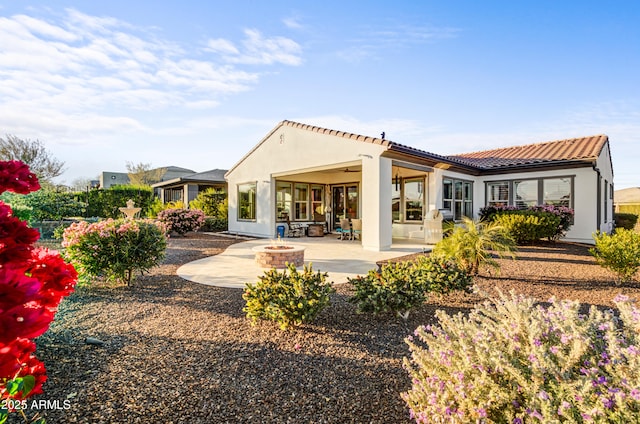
(277, 256)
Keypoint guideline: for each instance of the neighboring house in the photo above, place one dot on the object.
(187, 187)
(305, 173)
(627, 200)
(109, 179)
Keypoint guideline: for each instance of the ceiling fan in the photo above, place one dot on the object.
(350, 170)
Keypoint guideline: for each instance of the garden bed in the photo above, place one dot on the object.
(180, 352)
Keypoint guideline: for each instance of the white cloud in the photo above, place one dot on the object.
(71, 76)
(292, 22)
(220, 45)
(258, 50)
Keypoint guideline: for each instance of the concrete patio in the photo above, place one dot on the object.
(342, 259)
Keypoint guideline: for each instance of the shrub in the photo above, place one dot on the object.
(527, 226)
(181, 221)
(530, 229)
(106, 203)
(627, 221)
(400, 287)
(33, 282)
(618, 252)
(114, 249)
(210, 201)
(215, 224)
(289, 298)
(471, 245)
(511, 361)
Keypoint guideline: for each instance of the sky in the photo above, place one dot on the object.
(197, 84)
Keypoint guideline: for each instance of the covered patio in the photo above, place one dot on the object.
(342, 259)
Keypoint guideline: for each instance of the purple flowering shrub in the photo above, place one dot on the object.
(532, 223)
(181, 221)
(514, 361)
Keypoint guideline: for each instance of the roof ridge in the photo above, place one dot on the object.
(338, 133)
(523, 146)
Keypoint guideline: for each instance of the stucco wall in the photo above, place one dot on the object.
(585, 198)
(290, 150)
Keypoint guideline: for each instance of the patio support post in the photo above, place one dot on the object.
(376, 204)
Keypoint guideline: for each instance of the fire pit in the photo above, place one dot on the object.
(278, 255)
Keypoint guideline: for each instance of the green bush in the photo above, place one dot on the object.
(627, 221)
(210, 201)
(215, 224)
(526, 230)
(472, 244)
(106, 203)
(512, 361)
(528, 226)
(46, 205)
(289, 298)
(618, 252)
(400, 287)
(114, 249)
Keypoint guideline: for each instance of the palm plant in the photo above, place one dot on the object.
(473, 243)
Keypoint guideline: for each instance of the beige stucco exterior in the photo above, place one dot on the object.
(293, 152)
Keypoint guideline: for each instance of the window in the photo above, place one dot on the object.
(352, 202)
(247, 201)
(526, 193)
(606, 201)
(317, 194)
(498, 193)
(413, 199)
(557, 191)
(457, 197)
(283, 201)
(301, 198)
(395, 199)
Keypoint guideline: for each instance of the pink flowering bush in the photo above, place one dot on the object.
(114, 249)
(181, 221)
(512, 361)
(33, 282)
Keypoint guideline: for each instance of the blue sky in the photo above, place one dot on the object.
(197, 84)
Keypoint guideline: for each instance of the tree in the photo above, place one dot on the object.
(34, 154)
(82, 183)
(142, 174)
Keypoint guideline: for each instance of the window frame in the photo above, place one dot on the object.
(421, 189)
(458, 205)
(252, 205)
(540, 198)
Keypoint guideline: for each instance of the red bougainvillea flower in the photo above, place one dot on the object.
(58, 277)
(15, 238)
(14, 355)
(27, 320)
(33, 366)
(16, 288)
(15, 176)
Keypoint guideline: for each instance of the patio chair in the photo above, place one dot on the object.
(356, 229)
(345, 230)
(294, 230)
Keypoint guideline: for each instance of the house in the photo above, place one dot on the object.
(187, 187)
(627, 200)
(304, 173)
(109, 179)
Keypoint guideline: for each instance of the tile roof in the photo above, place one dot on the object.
(574, 149)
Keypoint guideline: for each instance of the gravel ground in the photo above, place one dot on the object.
(180, 352)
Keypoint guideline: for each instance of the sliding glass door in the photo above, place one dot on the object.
(345, 202)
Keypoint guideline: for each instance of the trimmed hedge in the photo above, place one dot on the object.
(627, 221)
